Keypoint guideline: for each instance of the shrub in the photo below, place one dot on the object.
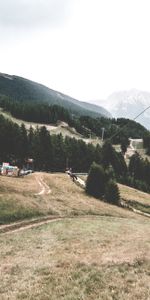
(112, 194)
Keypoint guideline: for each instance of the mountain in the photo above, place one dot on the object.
(128, 104)
(25, 90)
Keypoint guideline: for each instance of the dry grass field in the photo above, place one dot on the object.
(131, 194)
(19, 199)
(85, 258)
(135, 198)
(96, 252)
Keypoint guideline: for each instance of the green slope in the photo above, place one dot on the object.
(23, 90)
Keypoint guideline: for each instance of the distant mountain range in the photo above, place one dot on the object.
(128, 104)
(23, 90)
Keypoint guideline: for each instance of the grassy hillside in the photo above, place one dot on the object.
(24, 90)
(19, 199)
(135, 199)
(96, 251)
(132, 197)
(88, 258)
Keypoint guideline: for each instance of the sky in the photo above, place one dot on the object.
(87, 49)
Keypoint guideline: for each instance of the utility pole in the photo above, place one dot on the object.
(67, 163)
(90, 134)
(103, 130)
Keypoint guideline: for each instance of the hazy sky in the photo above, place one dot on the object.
(85, 48)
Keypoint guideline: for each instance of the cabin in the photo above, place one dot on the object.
(136, 144)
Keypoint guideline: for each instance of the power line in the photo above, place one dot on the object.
(128, 123)
(141, 113)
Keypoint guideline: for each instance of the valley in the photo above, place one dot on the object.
(60, 239)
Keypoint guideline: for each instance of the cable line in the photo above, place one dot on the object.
(128, 122)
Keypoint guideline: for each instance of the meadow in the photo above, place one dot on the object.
(91, 251)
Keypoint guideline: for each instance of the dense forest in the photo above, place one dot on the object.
(55, 153)
(119, 130)
(35, 112)
(50, 152)
(24, 90)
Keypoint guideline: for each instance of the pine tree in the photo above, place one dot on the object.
(107, 154)
(59, 155)
(23, 143)
(42, 149)
(96, 181)
(136, 166)
(112, 194)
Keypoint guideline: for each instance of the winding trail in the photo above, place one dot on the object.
(44, 188)
(23, 225)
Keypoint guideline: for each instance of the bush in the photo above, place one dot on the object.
(112, 194)
(96, 181)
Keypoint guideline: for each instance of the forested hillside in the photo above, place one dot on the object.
(31, 102)
(50, 152)
(23, 90)
(85, 125)
(55, 153)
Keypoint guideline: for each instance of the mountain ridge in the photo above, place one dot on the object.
(22, 89)
(129, 104)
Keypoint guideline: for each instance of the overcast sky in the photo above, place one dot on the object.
(87, 49)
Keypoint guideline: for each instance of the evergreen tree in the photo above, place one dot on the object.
(96, 181)
(107, 154)
(30, 141)
(23, 143)
(42, 149)
(136, 166)
(112, 194)
(59, 155)
(123, 147)
(113, 158)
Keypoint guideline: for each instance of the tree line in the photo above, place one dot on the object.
(119, 130)
(50, 152)
(55, 153)
(85, 125)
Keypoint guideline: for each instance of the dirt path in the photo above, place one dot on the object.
(18, 226)
(44, 188)
(81, 182)
(23, 225)
(125, 204)
(139, 212)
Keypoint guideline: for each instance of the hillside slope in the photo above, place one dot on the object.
(21, 198)
(62, 128)
(23, 90)
(95, 251)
